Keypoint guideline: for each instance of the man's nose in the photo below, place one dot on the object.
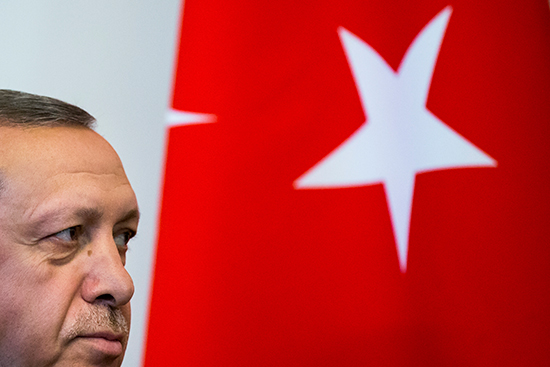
(107, 281)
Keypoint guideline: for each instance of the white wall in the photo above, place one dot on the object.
(114, 58)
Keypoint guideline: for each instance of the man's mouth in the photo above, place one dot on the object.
(105, 342)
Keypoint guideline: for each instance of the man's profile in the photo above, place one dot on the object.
(67, 212)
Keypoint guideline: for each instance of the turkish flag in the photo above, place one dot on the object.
(356, 183)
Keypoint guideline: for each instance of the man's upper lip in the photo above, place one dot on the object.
(104, 335)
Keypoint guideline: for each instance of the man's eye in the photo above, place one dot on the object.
(63, 245)
(122, 239)
(68, 235)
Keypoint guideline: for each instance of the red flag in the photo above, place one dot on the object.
(359, 183)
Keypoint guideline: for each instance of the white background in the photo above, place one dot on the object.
(115, 59)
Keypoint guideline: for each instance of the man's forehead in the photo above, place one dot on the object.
(55, 150)
(59, 165)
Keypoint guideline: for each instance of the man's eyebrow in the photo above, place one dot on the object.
(132, 214)
(90, 214)
(93, 214)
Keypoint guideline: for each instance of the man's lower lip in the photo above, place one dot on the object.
(104, 346)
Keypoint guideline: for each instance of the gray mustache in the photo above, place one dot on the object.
(97, 318)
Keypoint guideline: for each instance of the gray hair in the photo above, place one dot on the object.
(20, 109)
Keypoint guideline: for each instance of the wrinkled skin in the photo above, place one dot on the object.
(67, 212)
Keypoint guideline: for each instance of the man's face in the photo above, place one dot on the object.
(67, 212)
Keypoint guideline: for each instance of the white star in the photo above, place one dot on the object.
(401, 138)
(180, 118)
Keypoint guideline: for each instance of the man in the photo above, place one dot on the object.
(67, 212)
